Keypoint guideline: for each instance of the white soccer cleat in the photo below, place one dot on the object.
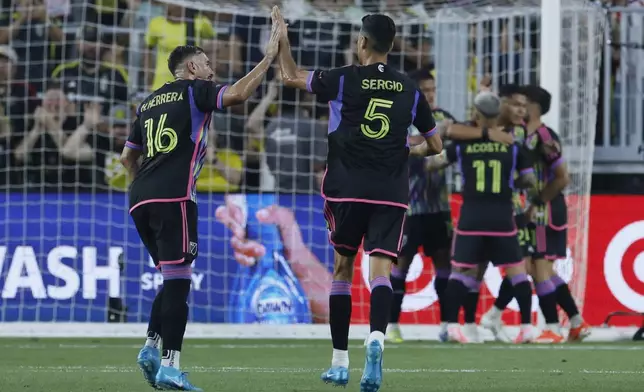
(456, 335)
(526, 335)
(471, 332)
(492, 322)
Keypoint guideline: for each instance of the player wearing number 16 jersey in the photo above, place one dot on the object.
(170, 134)
(366, 182)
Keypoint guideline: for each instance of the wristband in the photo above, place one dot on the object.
(485, 134)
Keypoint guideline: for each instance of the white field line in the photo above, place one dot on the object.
(201, 369)
(415, 346)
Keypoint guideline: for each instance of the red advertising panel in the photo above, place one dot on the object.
(614, 270)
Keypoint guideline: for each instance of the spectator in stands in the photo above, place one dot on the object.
(29, 30)
(296, 144)
(258, 167)
(179, 26)
(320, 42)
(250, 34)
(87, 148)
(17, 99)
(40, 148)
(89, 77)
(224, 166)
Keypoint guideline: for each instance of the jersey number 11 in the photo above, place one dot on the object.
(495, 166)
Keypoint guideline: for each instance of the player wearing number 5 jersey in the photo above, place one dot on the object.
(366, 181)
(170, 134)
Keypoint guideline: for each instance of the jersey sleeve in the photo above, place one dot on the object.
(208, 96)
(524, 162)
(550, 147)
(326, 84)
(422, 116)
(135, 140)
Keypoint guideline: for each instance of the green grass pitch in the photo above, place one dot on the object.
(63, 365)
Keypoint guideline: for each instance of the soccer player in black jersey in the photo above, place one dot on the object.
(486, 227)
(550, 220)
(366, 183)
(170, 137)
(513, 113)
(428, 223)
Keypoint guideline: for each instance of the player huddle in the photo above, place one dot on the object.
(506, 133)
(369, 181)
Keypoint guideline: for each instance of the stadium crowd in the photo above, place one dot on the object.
(72, 73)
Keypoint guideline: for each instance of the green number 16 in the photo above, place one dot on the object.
(480, 167)
(161, 140)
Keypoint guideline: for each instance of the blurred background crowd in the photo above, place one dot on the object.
(72, 73)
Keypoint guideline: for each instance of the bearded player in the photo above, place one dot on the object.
(170, 135)
(548, 229)
(366, 186)
(428, 223)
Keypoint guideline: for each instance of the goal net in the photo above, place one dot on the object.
(72, 75)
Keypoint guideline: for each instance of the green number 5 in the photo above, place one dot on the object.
(163, 140)
(480, 166)
(373, 114)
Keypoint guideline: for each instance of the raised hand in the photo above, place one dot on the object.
(272, 49)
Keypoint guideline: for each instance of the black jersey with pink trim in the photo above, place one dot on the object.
(488, 172)
(171, 130)
(545, 146)
(371, 109)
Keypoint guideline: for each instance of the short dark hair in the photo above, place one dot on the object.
(380, 31)
(539, 95)
(508, 90)
(421, 74)
(180, 54)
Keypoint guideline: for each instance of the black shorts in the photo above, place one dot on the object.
(168, 231)
(469, 251)
(380, 225)
(431, 231)
(549, 244)
(524, 235)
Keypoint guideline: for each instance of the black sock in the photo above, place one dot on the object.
(398, 278)
(548, 301)
(457, 288)
(506, 293)
(175, 307)
(156, 315)
(564, 297)
(381, 298)
(523, 293)
(440, 285)
(340, 314)
(470, 305)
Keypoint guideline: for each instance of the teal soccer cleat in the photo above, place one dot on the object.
(171, 379)
(149, 363)
(372, 375)
(337, 375)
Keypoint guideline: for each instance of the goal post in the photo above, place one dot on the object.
(71, 262)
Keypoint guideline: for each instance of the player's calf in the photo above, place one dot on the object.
(398, 278)
(340, 318)
(461, 281)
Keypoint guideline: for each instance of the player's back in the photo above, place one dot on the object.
(488, 174)
(174, 140)
(369, 120)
